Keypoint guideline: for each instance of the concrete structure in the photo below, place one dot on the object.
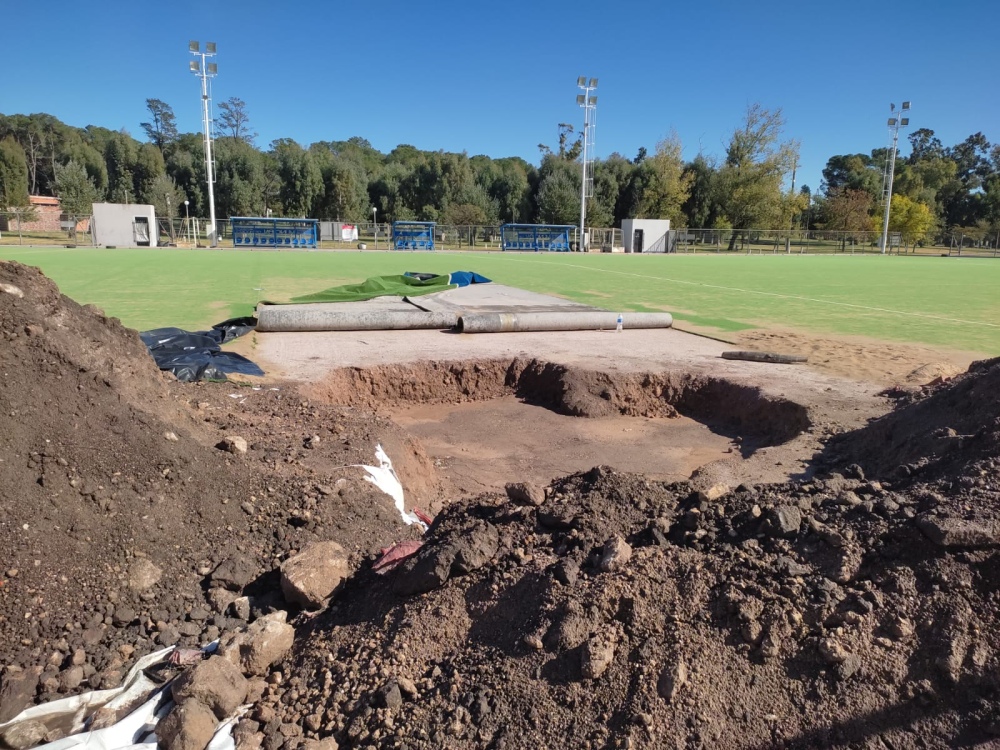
(124, 225)
(647, 235)
(337, 231)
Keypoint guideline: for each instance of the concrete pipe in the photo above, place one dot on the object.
(275, 318)
(560, 321)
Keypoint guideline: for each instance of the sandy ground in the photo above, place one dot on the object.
(835, 403)
(839, 386)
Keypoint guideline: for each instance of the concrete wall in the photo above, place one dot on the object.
(115, 224)
(654, 233)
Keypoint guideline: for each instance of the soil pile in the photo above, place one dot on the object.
(123, 526)
(858, 608)
(841, 611)
(948, 431)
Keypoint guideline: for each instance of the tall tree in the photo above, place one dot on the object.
(234, 121)
(165, 197)
(669, 186)
(75, 189)
(149, 166)
(913, 220)
(13, 175)
(702, 206)
(121, 154)
(853, 172)
(849, 211)
(757, 161)
(301, 179)
(558, 191)
(162, 126)
(924, 145)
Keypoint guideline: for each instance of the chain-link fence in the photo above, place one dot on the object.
(33, 227)
(30, 228)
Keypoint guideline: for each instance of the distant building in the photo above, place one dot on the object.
(48, 212)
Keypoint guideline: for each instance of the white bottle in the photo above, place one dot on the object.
(618, 328)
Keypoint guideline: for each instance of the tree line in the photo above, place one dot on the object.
(750, 185)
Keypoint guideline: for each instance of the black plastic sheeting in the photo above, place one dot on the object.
(198, 355)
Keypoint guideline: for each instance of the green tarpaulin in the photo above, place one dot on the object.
(379, 286)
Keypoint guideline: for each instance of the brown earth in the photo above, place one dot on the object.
(854, 607)
(862, 358)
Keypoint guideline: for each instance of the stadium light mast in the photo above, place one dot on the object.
(589, 104)
(895, 122)
(206, 70)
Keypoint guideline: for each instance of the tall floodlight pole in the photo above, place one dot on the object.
(589, 104)
(375, 226)
(895, 122)
(206, 70)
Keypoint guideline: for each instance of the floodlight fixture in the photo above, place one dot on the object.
(589, 103)
(205, 70)
(895, 123)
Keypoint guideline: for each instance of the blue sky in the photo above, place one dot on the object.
(497, 78)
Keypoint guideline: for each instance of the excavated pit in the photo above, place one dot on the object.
(488, 422)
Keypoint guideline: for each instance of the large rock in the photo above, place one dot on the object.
(24, 734)
(17, 688)
(784, 520)
(262, 644)
(598, 653)
(234, 572)
(189, 726)
(143, 574)
(216, 683)
(672, 679)
(956, 532)
(457, 554)
(713, 493)
(525, 493)
(615, 554)
(311, 577)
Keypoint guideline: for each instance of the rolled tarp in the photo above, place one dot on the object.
(560, 321)
(287, 318)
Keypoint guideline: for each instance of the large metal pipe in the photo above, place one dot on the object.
(274, 318)
(560, 321)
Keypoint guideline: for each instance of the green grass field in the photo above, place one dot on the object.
(949, 302)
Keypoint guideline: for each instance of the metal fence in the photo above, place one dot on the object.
(75, 231)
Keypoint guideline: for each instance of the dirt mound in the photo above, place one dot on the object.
(729, 407)
(624, 611)
(118, 506)
(609, 611)
(949, 432)
(858, 357)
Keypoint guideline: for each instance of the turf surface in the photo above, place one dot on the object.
(952, 302)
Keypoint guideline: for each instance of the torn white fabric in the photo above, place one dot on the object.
(384, 477)
(135, 731)
(74, 711)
